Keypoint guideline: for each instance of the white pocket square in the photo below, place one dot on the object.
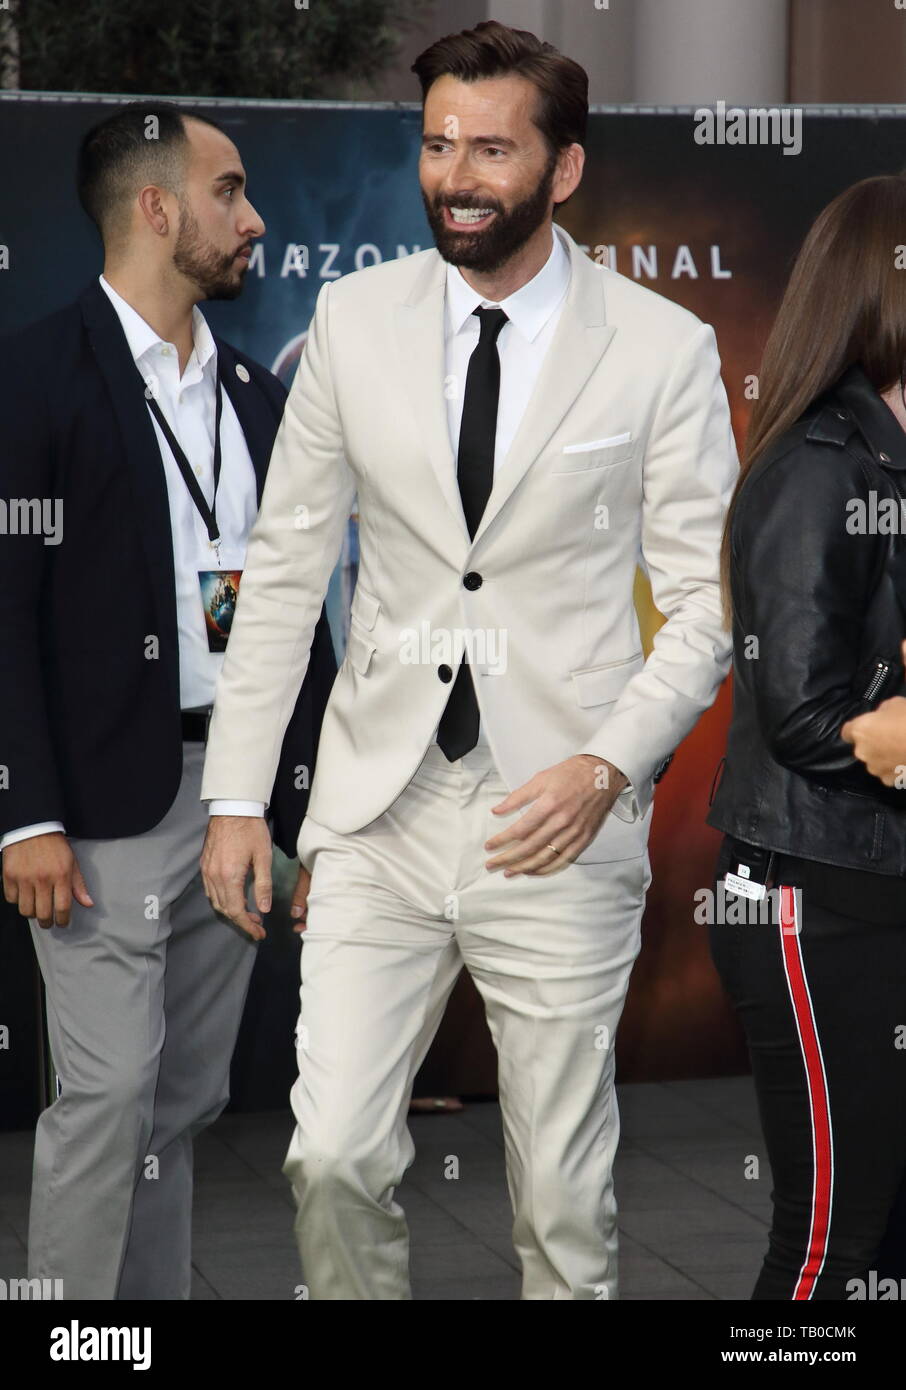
(598, 443)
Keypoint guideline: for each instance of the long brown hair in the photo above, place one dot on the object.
(845, 303)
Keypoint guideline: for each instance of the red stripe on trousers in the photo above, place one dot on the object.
(819, 1101)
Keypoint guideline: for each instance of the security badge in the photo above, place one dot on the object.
(219, 588)
(219, 592)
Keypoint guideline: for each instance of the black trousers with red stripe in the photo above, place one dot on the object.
(822, 998)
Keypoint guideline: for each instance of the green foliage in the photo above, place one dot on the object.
(223, 48)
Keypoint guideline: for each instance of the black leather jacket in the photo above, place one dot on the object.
(817, 633)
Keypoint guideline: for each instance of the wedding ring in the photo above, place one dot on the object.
(553, 847)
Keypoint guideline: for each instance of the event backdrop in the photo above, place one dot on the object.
(712, 226)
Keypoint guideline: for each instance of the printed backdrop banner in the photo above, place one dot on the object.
(713, 226)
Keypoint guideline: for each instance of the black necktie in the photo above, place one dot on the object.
(458, 729)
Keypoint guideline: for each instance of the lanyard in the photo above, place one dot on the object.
(208, 514)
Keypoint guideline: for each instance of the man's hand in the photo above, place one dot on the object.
(570, 801)
(42, 876)
(299, 906)
(232, 845)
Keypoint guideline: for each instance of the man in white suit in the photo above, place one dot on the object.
(521, 426)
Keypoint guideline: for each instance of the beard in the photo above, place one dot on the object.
(213, 271)
(487, 250)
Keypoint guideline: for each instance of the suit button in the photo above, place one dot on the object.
(445, 673)
(473, 580)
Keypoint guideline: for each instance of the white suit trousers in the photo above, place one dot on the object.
(395, 910)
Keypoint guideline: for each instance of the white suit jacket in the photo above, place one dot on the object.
(625, 455)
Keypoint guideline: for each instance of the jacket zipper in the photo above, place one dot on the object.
(877, 680)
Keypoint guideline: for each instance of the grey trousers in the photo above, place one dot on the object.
(144, 997)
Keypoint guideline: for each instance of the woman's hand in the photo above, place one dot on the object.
(879, 739)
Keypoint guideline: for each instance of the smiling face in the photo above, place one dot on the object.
(216, 220)
(489, 180)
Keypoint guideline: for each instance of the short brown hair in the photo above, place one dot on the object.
(492, 49)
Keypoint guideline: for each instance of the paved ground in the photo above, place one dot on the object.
(694, 1226)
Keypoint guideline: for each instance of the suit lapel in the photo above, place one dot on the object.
(581, 338)
(116, 364)
(252, 410)
(127, 397)
(419, 328)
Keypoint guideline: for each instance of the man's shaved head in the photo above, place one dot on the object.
(142, 143)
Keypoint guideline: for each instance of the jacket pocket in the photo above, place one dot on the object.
(597, 685)
(359, 651)
(597, 454)
(611, 441)
(364, 607)
(877, 680)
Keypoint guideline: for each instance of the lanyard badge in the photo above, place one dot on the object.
(219, 588)
(219, 592)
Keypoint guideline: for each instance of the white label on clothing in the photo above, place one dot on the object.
(743, 887)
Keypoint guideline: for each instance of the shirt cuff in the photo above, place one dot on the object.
(236, 808)
(27, 832)
(626, 804)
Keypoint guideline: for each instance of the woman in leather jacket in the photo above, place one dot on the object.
(809, 925)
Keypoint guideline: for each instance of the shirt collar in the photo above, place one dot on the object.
(142, 338)
(529, 308)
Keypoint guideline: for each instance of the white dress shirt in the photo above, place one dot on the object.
(188, 404)
(533, 313)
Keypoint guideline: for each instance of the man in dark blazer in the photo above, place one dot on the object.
(135, 448)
